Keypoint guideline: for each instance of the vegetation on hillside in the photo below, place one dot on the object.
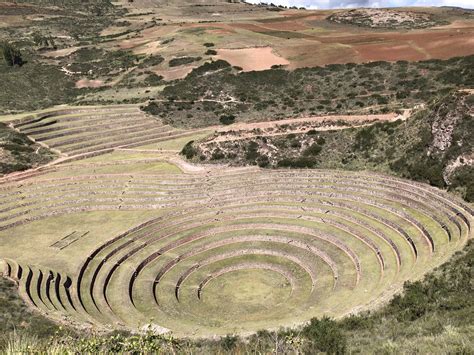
(29, 80)
(434, 146)
(433, 315)
(216, 88)
(18, 152)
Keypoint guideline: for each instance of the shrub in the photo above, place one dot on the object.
(11, 55)
(313, 150)
(263, 161)
(175, 62)
(153, 80)
(413, 304)
(217, 154)
(325, 335)
(189, 151)
(252, 152)
(301, 162)
(229, 342)
(227, 119)
(364, 138)
(464, 177)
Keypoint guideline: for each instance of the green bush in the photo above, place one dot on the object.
(229, 342)
(313, 150)
(325, 335)
(251, 153)
(227, 119)
(189, 151)
(11, 55)
(463, 178)
(298, 163)
(175, 62)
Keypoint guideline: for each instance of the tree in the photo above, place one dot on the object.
(11, 55)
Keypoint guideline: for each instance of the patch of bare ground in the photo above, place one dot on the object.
(257, 58)
(175, 73)
(58, 53)
(87, 83)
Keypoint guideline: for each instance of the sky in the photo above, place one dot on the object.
(328, 4)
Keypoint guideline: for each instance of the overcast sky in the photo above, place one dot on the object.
(327, 4)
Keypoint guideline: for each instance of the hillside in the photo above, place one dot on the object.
(386, 18)
(434, 145)
(216, 89)
(126, 52)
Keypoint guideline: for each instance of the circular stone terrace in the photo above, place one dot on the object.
(222, 250)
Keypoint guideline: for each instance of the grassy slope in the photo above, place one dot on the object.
(32, 86)
(434, 315)
(15, 315)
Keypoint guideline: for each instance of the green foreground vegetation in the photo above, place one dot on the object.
(434, 315)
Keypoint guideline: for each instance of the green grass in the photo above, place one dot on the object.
(176, 144)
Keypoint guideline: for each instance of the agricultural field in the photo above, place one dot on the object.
(216, 176)
(127, 53)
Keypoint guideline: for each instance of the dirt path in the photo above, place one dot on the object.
(241, 131)
(332, 118)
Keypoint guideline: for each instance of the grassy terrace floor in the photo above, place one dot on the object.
(91, 130)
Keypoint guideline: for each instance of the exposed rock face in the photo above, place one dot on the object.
(446, 117)
(384, 18)
(459, 162)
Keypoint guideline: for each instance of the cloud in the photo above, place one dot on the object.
(332, 4)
